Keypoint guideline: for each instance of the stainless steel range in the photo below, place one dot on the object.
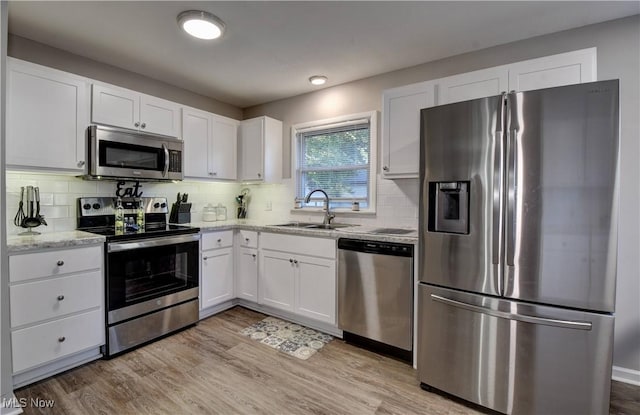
(151, 273)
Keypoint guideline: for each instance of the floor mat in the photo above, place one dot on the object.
(293, 339)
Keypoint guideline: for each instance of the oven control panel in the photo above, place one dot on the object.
(100, 206)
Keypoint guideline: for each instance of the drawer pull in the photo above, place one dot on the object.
(295, 261)
(204, 258)
(246, 240)
(60, 297)
(62, 339)
(253, 255)
(60, 263)
(219, 240)
(291, 260)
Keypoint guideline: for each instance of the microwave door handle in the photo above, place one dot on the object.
(166, 160)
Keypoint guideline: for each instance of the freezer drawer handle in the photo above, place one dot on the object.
(568, 324)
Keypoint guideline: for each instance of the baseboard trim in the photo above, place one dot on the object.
(304, 321)
(52, 368)
(625, 375)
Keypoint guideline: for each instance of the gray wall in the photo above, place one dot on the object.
(618, 46)
(28, 50)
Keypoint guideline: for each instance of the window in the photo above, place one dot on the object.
(337, 156)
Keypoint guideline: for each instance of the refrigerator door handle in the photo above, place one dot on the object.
(567, 324)
(498, 173)
(512, 129)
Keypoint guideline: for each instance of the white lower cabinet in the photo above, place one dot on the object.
(277, 279)
(294, 278)
(247, 274)
(316, 288)
(57, 310)
(216, 269)
(46, 342)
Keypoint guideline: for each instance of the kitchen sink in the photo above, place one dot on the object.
(310, 225)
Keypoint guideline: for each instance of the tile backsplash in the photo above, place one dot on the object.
(397, 200)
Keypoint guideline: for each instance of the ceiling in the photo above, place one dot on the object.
(270, 49)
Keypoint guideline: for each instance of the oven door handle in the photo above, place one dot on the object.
(149, 243)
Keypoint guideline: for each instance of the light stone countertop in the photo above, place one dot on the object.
(17, 243)
(76, 238)
(355, 231)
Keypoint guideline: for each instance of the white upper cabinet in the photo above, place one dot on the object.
(224, 154)
(210, 145)
(196, 134)
(120, 107)
(47, 116)
(261, 150)
(472, 85)
(401, 128)
(550, 71)
(401, 120)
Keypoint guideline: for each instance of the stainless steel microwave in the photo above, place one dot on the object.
(116, 153)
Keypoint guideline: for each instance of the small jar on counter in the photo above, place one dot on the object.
(209, 213)
(221, 212)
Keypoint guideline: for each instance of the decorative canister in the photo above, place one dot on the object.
(209, 213)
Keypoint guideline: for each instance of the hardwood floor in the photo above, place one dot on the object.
(212, 369)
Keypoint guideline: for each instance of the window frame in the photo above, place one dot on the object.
(372, 116)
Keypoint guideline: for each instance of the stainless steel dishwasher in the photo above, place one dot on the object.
(375, 295)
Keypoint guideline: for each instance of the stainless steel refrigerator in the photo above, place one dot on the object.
(518, 229)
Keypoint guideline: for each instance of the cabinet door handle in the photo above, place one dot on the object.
(143, 125)
(295, 261)
(259, 175)
(385, 168)
(60, 263)
(204, 258)
(215, 173)
(254, 256)
(137, 124)
(60, 297)
(291, 260)
(220, 240)
(246, 240)
(81, 163)
(61, 339)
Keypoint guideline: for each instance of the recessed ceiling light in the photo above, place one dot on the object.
(201, 24)
(318, 80)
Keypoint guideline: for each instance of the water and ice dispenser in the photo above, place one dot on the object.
(449, 207)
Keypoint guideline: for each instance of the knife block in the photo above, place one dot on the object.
(180, 213)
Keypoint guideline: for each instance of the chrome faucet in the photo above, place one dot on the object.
(327, 215)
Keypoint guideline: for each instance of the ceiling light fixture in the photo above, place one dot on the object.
(201, 24)
(318, 80)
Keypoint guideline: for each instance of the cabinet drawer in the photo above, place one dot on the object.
(248, 238)
(319, 247)
(55, 297)
(213, 240)
(49, 341)
(44, 264)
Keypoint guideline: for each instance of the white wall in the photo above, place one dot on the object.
(618, 48)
